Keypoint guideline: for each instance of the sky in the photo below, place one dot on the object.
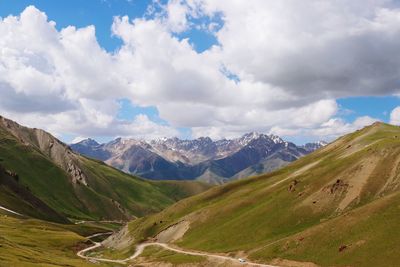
(305, 70)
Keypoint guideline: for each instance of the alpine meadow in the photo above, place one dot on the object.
(208, 133)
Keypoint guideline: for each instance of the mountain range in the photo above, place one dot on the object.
(42, 177)
(201, 159)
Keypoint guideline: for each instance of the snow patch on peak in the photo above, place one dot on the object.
(160, 140)
(247, 138)
(322, 143)
(276, 139)
(251, 135)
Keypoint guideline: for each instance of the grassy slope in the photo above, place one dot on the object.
(159, 255)
(38, 174)
(29, 242)
(310, 223)
(16, 197)
(369, 235)
(108, 188)
(141, 196)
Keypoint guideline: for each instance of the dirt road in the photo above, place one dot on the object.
(140, 248)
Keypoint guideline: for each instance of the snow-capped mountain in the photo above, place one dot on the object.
(201, 158)
(314, 146)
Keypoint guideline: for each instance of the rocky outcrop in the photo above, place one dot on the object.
(78, 177)
(292, 185)
(58, 152)
(120, 240)
(119, 207)
(338, 187)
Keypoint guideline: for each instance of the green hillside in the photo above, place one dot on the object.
(339, 206)
(31, 242)
(17, 197)
(74, 186)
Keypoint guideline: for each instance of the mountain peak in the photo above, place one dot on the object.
(377, 123)
(251, 135)
(276, 139)
(247, 138)
(205, 139)
(160, 139)
(314, 145)
(88, 142)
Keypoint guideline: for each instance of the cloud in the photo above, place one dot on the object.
(48, 71)
(288, 65)
(78, 139)
(289, 68)
(177, 13)
(167, 73)
(336, 127)
(79, 122)
(232, 122)
(63, 81)
(395, 116)
(333, 49)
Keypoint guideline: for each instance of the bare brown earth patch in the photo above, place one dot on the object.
(354, 148)
(121, 240)
(393, 181)
(343, 189)
(173, 232)
(356, 144)
(357, 181)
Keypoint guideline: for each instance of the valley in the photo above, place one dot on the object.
(199, 133)
(48, 190)
(330, 207)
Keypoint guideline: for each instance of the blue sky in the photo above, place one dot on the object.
(101, 14)
(82, 13)
(376, 107)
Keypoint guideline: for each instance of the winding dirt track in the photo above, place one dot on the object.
(141, 247)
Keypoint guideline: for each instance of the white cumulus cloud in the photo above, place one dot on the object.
(395, 116)
(291, 59)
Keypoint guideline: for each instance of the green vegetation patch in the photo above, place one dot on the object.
(37, 243)
(366, 236)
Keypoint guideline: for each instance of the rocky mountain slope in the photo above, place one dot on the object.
(339, 206)
(202, 158)
(42, 177)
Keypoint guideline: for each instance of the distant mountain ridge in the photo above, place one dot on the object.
(202, 158)
(42, 177)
